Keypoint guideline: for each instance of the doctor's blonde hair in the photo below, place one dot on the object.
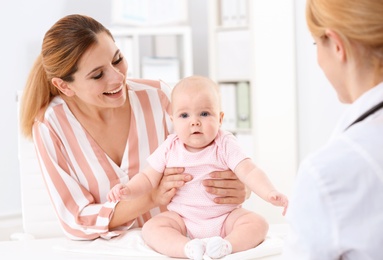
(357, 22)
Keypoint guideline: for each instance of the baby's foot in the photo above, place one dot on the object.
(218, 247)
(195, 249)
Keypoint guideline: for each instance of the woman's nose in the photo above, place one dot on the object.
(117, 74)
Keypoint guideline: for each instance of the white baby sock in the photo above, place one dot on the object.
(218, 247)
(195, 249)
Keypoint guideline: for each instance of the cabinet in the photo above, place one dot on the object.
(230, 44)
(252, 58)
(156, 52)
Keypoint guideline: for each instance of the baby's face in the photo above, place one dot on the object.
(196, 115)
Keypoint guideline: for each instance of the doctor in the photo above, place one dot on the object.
(336, 211)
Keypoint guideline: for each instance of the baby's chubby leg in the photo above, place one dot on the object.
(166, 234)
(245, 229)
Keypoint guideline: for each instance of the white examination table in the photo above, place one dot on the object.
(128, 246)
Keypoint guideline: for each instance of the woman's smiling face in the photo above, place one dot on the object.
(100, 78)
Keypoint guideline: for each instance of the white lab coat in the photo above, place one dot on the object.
(336, 209)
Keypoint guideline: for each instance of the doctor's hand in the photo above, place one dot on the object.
(228, 188)
(278, 199)
(172, 179)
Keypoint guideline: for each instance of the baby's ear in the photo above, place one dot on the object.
(221, 115)
(63, 87)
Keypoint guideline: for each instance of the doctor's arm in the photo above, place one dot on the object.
(313, 234)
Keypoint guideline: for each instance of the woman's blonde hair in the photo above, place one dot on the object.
(63, 46)
(357, 22)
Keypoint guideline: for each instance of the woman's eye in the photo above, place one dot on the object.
(120, 58)
(98, 76)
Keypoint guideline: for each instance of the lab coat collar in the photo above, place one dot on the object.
(361, 105)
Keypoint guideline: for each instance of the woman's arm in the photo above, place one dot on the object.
(126, 211)
(141, 184)
(82, 214)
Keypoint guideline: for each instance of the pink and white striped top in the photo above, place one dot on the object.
(77, 172)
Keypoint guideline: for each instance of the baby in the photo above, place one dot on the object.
(194, 224)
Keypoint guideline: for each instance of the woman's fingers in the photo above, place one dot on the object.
(228, 188)
(223, 175)
(172, 179)
(175, 178)
(224, 184)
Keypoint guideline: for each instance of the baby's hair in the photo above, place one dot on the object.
(196, 79)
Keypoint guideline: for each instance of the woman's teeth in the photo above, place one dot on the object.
(113, 92)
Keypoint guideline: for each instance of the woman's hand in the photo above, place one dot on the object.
(173, 179)
(228, 188)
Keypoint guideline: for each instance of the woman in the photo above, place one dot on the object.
(93, 128)
(336, 211)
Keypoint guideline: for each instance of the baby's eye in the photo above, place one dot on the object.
(98, 76)
(205, 114)
(184, 115)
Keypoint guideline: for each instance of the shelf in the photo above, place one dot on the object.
(231, 28)
(119, 31)
(168, 47)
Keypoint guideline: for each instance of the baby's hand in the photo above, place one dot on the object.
(115, 194)
(125, 193)
(278, 199)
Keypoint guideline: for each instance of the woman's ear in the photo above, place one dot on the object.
(337, 44)
(63, 87)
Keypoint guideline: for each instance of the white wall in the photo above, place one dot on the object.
(198, 19)
(273, 95)
(22, 31)
(318, 106)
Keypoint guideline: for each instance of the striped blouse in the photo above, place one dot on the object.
(77, 172)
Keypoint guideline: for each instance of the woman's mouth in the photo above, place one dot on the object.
(113, 92)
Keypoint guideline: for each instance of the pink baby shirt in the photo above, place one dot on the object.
(203, 217)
